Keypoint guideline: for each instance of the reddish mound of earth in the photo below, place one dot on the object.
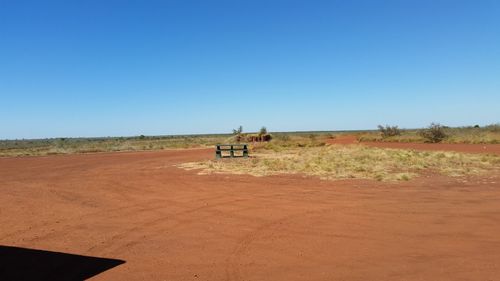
(169, 224)
(468, 148)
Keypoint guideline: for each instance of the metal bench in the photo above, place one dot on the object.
(231, 148)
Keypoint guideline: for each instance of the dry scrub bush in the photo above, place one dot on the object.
(389, 131)
(434, 134)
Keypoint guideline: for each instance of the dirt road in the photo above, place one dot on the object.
(171, 224)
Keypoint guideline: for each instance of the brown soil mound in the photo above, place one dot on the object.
(166, 223)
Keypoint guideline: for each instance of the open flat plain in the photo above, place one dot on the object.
(166, 223)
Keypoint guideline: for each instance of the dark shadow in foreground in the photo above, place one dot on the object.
(28, 264)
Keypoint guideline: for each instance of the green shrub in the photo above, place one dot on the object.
(263, 131)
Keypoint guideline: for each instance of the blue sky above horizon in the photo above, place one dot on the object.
(120, 68)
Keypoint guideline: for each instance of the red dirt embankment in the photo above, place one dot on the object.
(171, 224)
(468, 148)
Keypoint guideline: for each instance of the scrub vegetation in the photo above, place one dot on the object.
(280, 140)
(54, 146)
(352, 161)
(89, 145)
(436, 133)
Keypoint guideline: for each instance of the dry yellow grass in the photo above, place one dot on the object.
(13, 148)
(486, 135)
(355, 161)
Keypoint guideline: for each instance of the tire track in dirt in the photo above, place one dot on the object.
(128, 209)
(136, 209)
(150, 225)
(233, 262)
(227, 241)
(106, 213)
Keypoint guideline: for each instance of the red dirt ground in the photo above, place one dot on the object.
(171, 224)
(468, 148)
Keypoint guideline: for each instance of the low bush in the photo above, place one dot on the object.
(389, 131)
(434, 134)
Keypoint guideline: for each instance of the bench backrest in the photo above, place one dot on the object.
(231, 148)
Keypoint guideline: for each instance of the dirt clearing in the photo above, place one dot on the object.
(166, 223)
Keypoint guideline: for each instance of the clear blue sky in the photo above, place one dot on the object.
(112, 68)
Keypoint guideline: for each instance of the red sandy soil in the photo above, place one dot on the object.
(170, 224)
(468, 148)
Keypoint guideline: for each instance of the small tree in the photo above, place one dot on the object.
(238, 133)
(263, 131)
(389, 131)
(434, 134)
